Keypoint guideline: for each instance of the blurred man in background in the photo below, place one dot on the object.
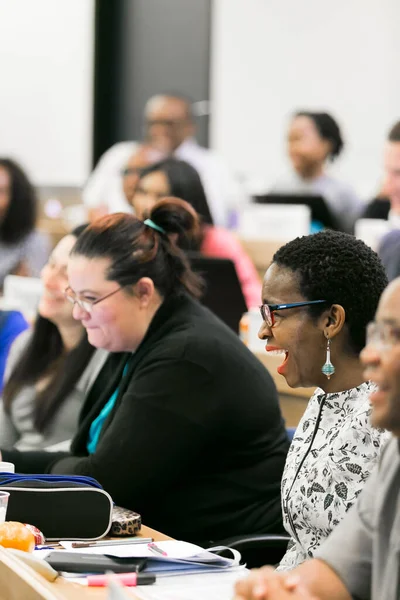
(170, 131)
(389, 250)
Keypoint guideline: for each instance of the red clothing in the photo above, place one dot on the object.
(221, 243)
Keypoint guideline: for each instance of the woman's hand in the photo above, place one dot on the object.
(268, 584)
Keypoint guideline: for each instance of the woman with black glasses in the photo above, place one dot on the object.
(319, 294)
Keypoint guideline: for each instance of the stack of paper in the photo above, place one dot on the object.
(179, 557)
(210, 586)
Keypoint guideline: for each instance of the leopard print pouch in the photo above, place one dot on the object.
(125, 522)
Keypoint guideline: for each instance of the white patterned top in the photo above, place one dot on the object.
(332, 454)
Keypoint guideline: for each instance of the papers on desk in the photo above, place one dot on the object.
(181, 557)
(212, 586)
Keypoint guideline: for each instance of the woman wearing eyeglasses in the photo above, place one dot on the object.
(50, 368)
(183, 423)
(319, 294)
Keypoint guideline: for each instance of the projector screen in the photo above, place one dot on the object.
(46, 103)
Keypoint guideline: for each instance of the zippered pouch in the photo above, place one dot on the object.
(61, 506)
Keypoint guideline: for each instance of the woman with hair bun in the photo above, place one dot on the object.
(313, 140)
(183, 423)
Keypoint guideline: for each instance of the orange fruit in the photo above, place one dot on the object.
(16, 535)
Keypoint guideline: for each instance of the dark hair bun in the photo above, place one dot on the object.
(176, 216)
(327, 128)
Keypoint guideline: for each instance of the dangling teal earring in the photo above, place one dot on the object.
(328, 369)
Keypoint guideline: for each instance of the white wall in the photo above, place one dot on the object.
(46, 57)
(271, 57)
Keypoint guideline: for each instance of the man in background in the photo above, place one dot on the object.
(389, 249)
(170, 131)
(387, 204)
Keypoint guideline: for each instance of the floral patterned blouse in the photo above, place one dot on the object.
(332, 454)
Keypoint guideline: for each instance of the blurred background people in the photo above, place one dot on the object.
(314, 139)
(177, 178)
(23, 250)
(388, 207)
(50, 368)
(392, 173)
(169, 130)
(387, 204)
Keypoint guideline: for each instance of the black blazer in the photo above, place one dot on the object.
(196, 442)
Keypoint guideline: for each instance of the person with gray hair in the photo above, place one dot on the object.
(170, 130)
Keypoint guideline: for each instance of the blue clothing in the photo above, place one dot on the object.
(389, 253)
(97, 425)
(12, 323)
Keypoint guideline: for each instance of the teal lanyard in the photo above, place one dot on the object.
(97, 424)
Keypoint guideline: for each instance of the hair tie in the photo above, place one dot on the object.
(153, 225)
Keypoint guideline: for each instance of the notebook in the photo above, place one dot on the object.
(179, 556)
(320, 210)
(211, 586)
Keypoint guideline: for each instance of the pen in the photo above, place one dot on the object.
(154, 548)
(129, 579)
(135, 540)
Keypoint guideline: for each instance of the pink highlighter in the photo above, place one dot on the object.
(128, 579)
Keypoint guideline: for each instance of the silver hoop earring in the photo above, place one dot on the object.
(328, 369)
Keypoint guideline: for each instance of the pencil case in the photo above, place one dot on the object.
(61, 506)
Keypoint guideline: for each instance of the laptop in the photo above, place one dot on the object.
(223, 294)
(320, 210)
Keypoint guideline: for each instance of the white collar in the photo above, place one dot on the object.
(187, 145)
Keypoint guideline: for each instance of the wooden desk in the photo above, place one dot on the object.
(20, 582)
(56, 229)
(261, 252)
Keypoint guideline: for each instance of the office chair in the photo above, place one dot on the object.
(261, 549)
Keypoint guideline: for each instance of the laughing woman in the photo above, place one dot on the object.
(319, 294)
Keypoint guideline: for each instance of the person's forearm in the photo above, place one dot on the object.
(31, 461)
(321, 580)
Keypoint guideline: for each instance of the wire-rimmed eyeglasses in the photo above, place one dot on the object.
(86, 305)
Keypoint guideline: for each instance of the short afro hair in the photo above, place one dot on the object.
(340, 269)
